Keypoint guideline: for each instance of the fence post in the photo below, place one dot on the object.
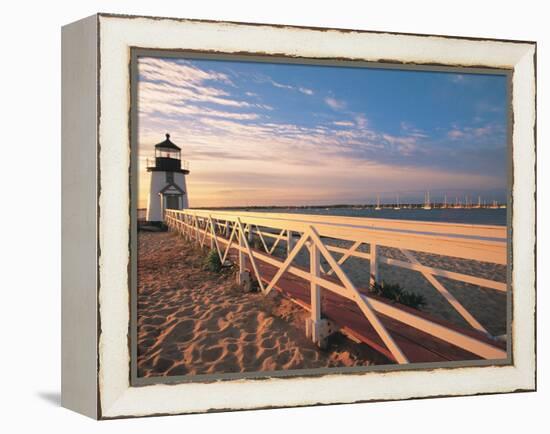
(250, 234)
(374, 277)
(185, 226)
(197, 233)
(211, 238)
(186, 220)
(318, 329)
(314, 268)
(289, 242)
(210, 223)
(240, 275)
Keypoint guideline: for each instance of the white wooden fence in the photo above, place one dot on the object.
(226, 230)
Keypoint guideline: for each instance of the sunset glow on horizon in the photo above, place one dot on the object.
(261, 134)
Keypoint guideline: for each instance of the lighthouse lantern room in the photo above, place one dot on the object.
(168, 189)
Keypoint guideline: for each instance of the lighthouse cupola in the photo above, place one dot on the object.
(167, 157)
(168, 188)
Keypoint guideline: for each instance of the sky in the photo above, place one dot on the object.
(260, 134)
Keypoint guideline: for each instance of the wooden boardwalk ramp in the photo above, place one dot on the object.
(417, 346)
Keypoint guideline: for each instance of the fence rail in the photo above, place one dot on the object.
(226, 231)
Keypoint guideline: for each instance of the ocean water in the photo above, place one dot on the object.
(481, 216)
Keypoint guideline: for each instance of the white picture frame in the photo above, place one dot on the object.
(96, 378)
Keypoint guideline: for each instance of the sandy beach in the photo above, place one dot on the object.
(192, 321)
(488, 306)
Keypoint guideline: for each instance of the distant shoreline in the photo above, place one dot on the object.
(416, 212)
(383, 206)
(349, 206)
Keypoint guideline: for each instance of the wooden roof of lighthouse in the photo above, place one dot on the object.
(168, 144)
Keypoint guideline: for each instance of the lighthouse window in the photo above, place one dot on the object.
(170, 177)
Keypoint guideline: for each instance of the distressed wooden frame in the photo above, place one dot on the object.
(96, 378)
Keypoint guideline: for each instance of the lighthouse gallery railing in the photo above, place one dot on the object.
(226, 230)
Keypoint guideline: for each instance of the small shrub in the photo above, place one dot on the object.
(387, 290)
(394, 292)
(257, 244)
(212, 261)
(411, 299)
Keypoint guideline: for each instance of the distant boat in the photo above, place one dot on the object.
(378, 203)
(397, 206)
(427, 204)
(478, 202)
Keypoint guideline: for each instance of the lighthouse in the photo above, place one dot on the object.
(167, 188)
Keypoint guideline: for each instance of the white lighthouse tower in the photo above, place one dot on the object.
(167, 189)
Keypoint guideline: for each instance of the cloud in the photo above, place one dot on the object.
(177, 72)
(361, 121)
(409, 129)
(167, 109)
(335, 104)
(238, 136)
(152, 91)
(455, 134)
(482, 131)
(302, 89)
(280, 85)
(343, 123)
(278, 158)
(494, 132)
(405, 146)
(264, 106)
(487, 107)
(178, 88)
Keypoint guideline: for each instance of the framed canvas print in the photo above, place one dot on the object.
(259, 216)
